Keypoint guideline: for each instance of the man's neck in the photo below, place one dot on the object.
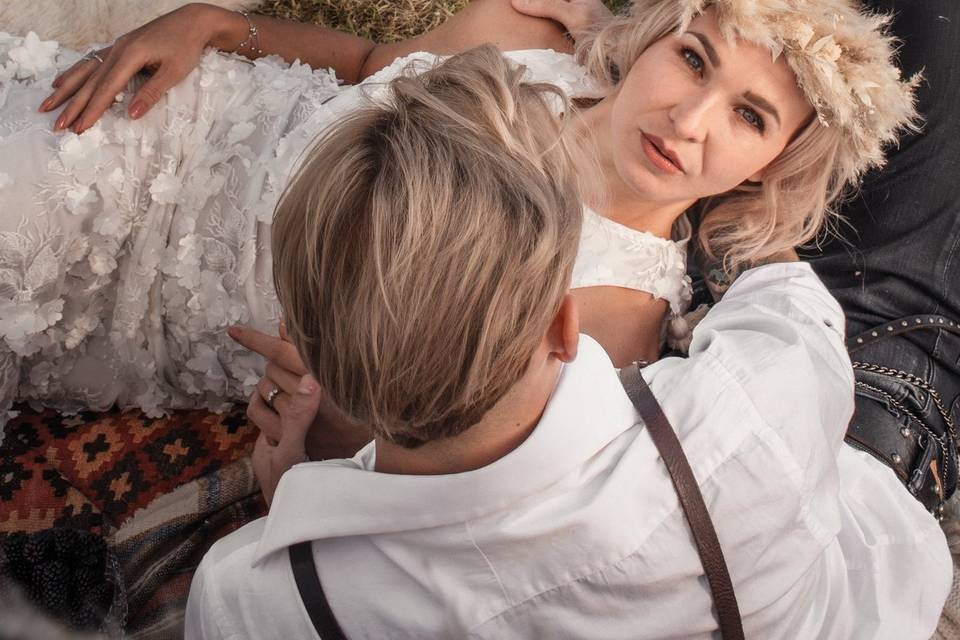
(500, 431)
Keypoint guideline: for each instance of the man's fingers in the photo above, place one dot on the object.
(272, 348)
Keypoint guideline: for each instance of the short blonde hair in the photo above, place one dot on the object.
(801, 189)
(426, 243)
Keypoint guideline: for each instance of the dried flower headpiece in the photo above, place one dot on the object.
(843, 58)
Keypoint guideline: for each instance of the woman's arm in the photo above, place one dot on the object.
(170, 47)
(354, 58)
(480, 22)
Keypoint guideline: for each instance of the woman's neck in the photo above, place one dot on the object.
(621, 203)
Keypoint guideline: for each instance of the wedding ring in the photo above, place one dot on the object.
(272, 396)
(93, 55)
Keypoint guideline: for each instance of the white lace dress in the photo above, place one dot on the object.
(126, 251)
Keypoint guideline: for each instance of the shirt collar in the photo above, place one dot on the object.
(316, 500)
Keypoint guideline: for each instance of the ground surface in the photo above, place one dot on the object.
(379, 20)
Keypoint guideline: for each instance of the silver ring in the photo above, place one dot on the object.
(93, 55)
(272, 396)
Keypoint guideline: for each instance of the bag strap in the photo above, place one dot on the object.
(311, 592)
(900, 326)
(688, 491)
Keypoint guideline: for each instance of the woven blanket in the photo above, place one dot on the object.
(160, 491)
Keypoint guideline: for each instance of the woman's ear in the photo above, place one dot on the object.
(755, 180)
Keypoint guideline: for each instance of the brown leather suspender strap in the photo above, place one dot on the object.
(665, 439)
(688, 491)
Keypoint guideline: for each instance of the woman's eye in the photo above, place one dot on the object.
(752, 118)
(693, 60)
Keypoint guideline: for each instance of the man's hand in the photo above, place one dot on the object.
(576, 16)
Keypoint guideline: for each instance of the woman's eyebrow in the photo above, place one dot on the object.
(762, 103)
(708, 47)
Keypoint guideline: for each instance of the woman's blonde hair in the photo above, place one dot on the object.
(426, 243)
(801, 189)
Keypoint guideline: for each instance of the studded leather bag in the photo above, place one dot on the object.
(920, 446)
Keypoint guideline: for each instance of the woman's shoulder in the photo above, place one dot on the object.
(612, 254)
(541, 65)
(559, 69)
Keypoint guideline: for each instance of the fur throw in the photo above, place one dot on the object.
(78, 23)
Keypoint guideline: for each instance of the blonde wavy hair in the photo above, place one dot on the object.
(426, 243)
(801, 190)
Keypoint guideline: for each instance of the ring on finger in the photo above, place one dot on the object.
(272, 396)
(93, 55)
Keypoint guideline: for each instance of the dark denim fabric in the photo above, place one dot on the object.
(900, 253)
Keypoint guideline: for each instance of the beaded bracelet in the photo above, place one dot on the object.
(252, 35)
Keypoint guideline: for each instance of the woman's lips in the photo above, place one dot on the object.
(657, 157)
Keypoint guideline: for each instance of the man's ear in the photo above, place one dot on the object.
(563, 335)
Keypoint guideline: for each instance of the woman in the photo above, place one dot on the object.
(153, 233)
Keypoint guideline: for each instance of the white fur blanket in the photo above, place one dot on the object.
(78, 23)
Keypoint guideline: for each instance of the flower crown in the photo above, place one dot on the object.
(843, 58)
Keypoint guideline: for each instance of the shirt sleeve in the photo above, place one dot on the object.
(771, 359)
(780, 335)
(204, 613)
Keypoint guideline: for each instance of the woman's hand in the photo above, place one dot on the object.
(576, 16)
(331, 434)
(168, 47)
(272, 458)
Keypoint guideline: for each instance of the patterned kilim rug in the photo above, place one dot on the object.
(160, 491)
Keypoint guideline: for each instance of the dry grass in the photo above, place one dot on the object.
(379, 20)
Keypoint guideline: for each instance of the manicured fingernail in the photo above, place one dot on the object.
(137, 109)
(46, 104)
(234, 332)
(308, 384)
(56, 83)
(61, 122)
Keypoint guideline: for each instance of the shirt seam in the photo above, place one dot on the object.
(486, 559)
(587, 576)
(804, 514)
(218, 605)
(677, 508)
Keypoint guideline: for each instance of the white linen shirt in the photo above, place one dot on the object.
(578, 533)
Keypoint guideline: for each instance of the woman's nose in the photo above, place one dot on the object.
(691, 115)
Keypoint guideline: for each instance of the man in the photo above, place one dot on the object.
(511, 489)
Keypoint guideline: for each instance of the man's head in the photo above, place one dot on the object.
(424, 248)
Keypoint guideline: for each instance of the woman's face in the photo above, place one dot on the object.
(720, 113)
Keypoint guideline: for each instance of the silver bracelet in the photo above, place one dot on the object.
(253, 36)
